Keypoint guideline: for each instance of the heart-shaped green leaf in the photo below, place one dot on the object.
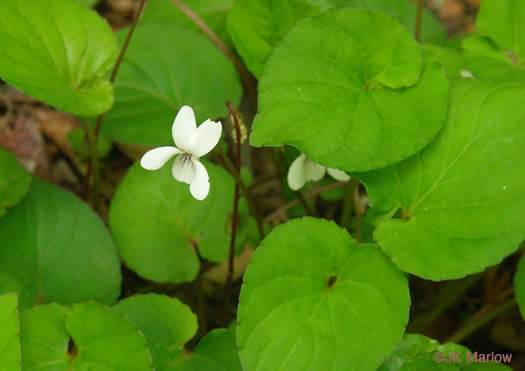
(497, 51)
(349, 89)
(212, 12)
(166, 67)
(58, 51)
(313, 299)
(55, 249)
(519, 282)
(257, 26)
(417, 352)
(167, 324)
(88, 3)
(9, 333)
(405, 11)
(215, 352)
(14, 181)
(157, 224)
(85, 336)
(461, 198)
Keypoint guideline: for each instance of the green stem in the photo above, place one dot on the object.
(93, 167)
(449, 295)
(469, 328)
(347, 204)
(419, 16)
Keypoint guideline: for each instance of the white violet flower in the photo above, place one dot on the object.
(303, 170)
(191, 143)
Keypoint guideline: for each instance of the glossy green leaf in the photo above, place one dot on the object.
(14, 181)
(9, 333)
(497, 51)
(167, 324)
(405, 11)
(450, 59)
(350, 90)
(212, 12)
(58, 51)
(257, 26)
(155, 222)
(86, 336)
(310, 301)
(105, 338)
(45, 339)
(461, 198)
(519, 282)
(166, 67)
(215, 352)
(55, 249)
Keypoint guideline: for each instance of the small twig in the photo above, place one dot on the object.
(235, 215)
(281, 210)
(92, 168)
(419, 16)
(481, 320)
(264, 181)
(358, 212)
(247, 80)
(251, 202)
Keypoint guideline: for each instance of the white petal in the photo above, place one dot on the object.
(303, 170)
(205, 138)
(156, 158)
(184, 128)
(313, 171)
(183, 169)
(200, 187)
(338, 175)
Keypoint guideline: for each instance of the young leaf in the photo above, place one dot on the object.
(104, 337)
(215, 352)
(212, 12)
(350, 90)
(432, 30)
(55, 249)
(497, 52)
(58, 51)
(156, 223)
(257, 26)
(9, 333)
(14, 181)
(314, 299)
(44, 338)
(519, 282)
(461, 198)
(165, 68)
(81, 337)
(167, 324)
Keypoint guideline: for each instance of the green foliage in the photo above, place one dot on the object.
(166, 323)
(88, 3)
(257, 26)
(14, 181)
(349, 89)
(58, 51)
(497, 50)
(77, 140)
(102, 338)
(9, 330)
(461, 197)
(308, 294)
(55, 249)
(165, 68)
(212, 12)
(215, 352)
(156, 223)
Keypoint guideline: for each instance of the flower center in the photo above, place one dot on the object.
(185, 159)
